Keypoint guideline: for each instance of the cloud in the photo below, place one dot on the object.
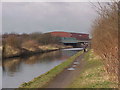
(45, 17)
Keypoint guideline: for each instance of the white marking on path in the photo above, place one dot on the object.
(70, 69)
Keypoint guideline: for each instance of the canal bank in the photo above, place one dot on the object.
(68, 74)
(44, 79)
(84, 71)
(93, 74)
(27, 53)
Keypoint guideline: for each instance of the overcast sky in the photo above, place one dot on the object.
(47, 17)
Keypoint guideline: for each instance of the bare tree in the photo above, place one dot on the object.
(105, 37)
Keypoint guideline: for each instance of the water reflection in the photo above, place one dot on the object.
(12, 65)
(41, 58)
(19, 70)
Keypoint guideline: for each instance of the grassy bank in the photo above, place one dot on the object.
(44, 79)
(25, 51)
(93, 74)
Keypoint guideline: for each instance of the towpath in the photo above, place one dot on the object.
(67, 76)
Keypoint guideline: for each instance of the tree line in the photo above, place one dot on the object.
(16, 40)
(32, 40)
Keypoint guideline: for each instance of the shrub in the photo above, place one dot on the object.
(13, 41)
(105, 38)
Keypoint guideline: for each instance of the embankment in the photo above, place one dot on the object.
(93, 74)
(29, 53)
(12, 53)
(44, 79)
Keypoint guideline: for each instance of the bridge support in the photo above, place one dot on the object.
(76, 45)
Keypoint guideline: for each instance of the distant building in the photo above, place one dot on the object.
(69, 38)
(61, 34)
(80, 36)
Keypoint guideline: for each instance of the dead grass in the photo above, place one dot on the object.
(93, 75)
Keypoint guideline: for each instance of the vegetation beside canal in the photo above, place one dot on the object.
(27, 52)
(93, 74)
(105, 41)
(15, 45)
(44, 79)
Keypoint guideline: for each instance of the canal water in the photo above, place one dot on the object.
(19, 70)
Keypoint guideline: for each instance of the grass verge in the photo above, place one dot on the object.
(42, 80)
(93, 74)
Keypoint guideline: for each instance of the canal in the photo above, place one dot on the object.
(19, 70)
